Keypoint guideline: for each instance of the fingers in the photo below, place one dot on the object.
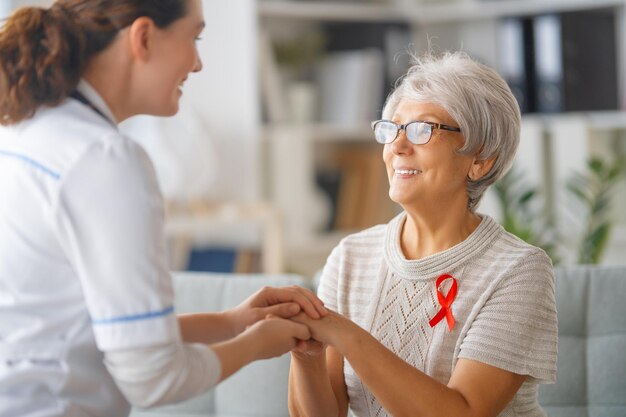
(285, 310)
(301, 318)
(297, 330)
(301, 331)
(275, 336)
(306, 299)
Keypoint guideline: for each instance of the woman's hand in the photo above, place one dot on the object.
(328, 330)
(316, 379)
(282, 302)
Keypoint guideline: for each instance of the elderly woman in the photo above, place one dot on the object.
(440, 312)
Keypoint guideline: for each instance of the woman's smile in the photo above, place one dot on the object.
(403, 173)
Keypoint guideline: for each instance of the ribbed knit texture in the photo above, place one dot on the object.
(505, 308)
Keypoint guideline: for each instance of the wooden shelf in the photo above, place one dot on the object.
(236, 224)
(423, 13)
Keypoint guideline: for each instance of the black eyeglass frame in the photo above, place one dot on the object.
(432, 125)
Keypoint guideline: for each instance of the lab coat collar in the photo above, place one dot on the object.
(95, 99)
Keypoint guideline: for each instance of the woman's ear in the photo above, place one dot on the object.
(480, 167)
(141, 34)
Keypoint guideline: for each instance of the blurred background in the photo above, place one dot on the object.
(271, 160)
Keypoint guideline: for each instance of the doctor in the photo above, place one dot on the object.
(87, 325)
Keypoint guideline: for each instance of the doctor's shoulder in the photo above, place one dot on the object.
(65, 134)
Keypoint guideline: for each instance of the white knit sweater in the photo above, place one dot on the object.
(505, 309)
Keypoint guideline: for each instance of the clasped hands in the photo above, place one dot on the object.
(288, 318)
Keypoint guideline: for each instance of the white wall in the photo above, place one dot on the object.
(5, 8)
(218, 124)
(227, 95)
(22, 3)
(224, 96)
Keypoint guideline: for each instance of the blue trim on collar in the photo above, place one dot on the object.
(136, 317)
(33, 163)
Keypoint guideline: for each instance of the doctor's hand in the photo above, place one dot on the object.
(275, 336)
(282, 302)
(264, 339)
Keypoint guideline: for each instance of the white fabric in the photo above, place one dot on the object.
(161, 375)
(82, 261)
(505, 309)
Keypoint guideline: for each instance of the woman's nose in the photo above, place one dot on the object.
(401, 145)
(198, 65)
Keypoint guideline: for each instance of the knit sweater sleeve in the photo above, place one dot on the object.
(516, 328)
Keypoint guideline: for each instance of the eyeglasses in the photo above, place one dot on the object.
(417, 132)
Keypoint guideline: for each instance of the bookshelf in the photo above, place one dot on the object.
(553, 144)
(278, 159)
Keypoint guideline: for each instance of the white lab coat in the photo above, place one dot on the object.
(82, 261)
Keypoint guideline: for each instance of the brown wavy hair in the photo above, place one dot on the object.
(44, 51)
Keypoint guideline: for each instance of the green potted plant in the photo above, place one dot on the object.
(522, 216)
(594, 190)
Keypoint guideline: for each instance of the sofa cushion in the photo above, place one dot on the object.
(591, 375)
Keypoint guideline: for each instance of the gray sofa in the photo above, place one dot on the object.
(592, 347)
(591, 375)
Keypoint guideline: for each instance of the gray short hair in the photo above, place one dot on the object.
(477, 98)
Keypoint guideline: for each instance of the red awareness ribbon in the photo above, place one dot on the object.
(446, 302)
